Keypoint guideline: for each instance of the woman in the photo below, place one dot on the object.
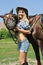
(23, 27)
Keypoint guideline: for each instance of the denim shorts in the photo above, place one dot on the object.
(23, 45)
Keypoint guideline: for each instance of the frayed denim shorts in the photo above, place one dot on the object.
(23, 45)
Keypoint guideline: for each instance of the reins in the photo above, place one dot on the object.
(13, 37)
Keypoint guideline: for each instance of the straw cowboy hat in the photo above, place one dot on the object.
(22, 8)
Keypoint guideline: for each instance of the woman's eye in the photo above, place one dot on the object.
(22, 11)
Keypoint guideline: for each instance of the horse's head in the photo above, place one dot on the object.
(10, 20)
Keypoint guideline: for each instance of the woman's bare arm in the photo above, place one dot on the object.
(23, 31)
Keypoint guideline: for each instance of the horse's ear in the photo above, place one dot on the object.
(11, 12)
(2, 16)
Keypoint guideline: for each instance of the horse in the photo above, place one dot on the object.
(11, 20)
(38, 29)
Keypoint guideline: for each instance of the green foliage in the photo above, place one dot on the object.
(4, 34)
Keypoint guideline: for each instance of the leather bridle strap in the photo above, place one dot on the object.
(13, 37)
(34, 23)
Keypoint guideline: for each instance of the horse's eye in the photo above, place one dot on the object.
(14, 20)
(12, 17)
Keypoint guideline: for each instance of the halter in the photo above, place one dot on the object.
(10, 23)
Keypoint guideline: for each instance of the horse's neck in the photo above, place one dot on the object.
(33, 19)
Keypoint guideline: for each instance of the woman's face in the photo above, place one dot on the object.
(21, 14)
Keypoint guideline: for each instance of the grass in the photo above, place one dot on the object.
(9, 52)
(8, 49)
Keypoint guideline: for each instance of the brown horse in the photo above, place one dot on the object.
(38, 29)
(11, 20)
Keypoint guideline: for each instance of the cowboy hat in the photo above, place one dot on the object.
(22, 8)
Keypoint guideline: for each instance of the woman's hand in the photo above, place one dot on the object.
(23, 31)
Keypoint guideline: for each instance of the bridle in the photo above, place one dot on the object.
(10, 24)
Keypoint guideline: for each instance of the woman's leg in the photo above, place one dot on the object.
(23, 58)
(23, 49)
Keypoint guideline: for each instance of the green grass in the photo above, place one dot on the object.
(8, 49)
(9, 52)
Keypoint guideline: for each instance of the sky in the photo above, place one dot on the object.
(33, 6)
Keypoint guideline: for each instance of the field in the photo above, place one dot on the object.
(9, 53)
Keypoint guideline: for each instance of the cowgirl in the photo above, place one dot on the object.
(23, 28)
